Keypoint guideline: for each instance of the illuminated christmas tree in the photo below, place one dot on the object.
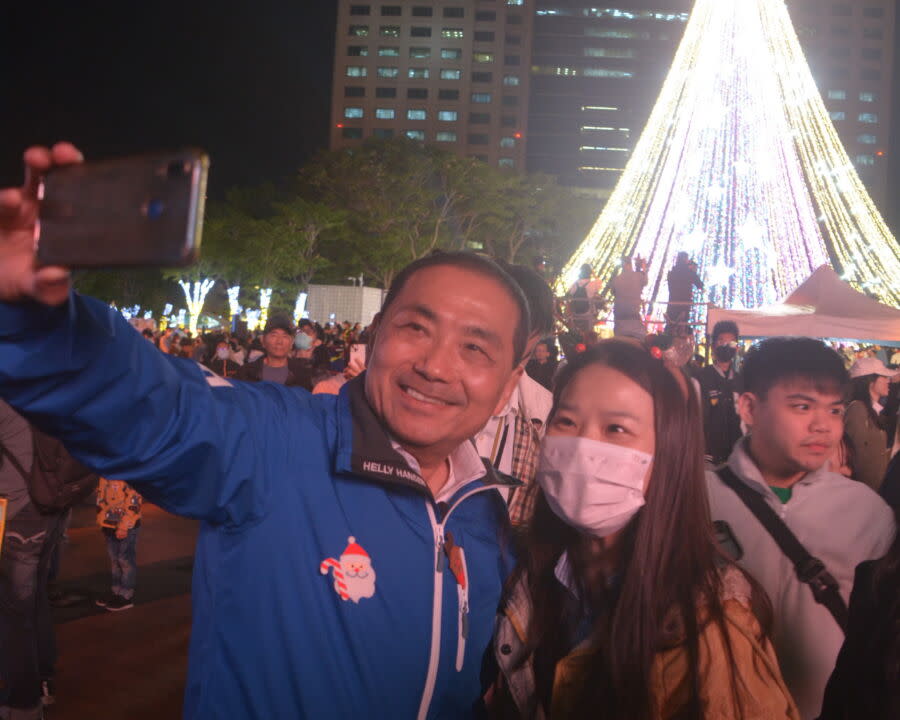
(740, 166)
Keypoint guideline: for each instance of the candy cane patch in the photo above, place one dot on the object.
(354, 576)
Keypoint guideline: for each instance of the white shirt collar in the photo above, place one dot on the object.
(465, 466)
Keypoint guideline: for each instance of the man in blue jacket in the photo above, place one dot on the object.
(353, 547)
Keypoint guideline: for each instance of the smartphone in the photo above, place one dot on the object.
(358, 353)
(138, 211)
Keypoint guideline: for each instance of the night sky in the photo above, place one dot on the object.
(247, 81)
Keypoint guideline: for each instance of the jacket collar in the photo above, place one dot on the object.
(745, 468)
(365, 448)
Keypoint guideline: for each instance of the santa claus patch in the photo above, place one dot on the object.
(354, 576)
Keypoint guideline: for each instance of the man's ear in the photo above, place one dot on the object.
(508, 387)
(748, 408)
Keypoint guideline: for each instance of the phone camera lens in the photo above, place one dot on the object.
(155, 209)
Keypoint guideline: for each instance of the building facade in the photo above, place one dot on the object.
(597, 71)
(850, 49)
(449, 72)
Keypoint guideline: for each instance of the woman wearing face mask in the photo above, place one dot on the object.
(622, 607)
(865, 423)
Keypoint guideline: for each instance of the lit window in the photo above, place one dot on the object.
(837, 94)
(605, 72)
(451, 74)
(507, 142)
(838, 115)
(389, 51)
(867, 139)
(359, 30)
(481, 97)
(356, 71)
(510, 79)
(446, 137)
(417, 114)
(447, 115)
(609, 52)
(353, 112)
(451, 54)
(384, 113)
(415, 134)
(506, 162)
(868, 118)
(865, 159)
(389, 31)
(420, 52)
(868, 97)
(515, 2)
(388, 72)
(357, 51)
(418, 73)
(482, 57)
(451, 32)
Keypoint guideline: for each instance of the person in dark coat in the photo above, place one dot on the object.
(277, 365)
(866, 678)
(682, 279)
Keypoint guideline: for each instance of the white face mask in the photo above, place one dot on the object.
(223, 353)
(594, 486)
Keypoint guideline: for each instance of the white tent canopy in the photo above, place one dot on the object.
(824, 306)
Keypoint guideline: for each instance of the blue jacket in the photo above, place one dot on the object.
(302, 500)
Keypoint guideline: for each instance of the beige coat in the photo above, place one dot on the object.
(871, 451)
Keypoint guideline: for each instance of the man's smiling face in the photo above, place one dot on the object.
(443, 358)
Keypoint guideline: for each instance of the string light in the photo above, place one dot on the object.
(195, 295)
(740, 166)
(265, 299)
(234, 305)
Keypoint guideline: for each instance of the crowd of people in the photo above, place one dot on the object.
(474, 526)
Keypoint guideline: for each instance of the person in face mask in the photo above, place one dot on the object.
(621, 603)
(221, 362)
(718, 389)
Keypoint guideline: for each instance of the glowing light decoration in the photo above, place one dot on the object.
(265, 299)
(300, 306)
(195, 295)
(252, 318)
(234, 305)
(740, 166)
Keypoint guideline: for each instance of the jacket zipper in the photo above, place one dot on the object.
(437, 529)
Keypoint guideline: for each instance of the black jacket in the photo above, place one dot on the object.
(299, 373)
(861, 685)
(721, 424)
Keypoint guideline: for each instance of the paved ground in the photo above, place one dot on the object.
(131, 664)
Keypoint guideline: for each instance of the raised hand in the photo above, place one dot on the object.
(20, 276)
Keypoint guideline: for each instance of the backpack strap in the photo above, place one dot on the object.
(810, 570)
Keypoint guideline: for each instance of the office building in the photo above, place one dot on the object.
(850, 49)
(453, 73)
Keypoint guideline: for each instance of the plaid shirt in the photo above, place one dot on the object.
(526, 446)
